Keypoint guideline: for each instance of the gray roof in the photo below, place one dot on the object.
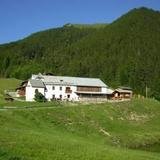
(110, 91)
(37, 83)
(123, 90)
(76, 81)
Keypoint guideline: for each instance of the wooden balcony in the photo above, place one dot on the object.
(68, 91)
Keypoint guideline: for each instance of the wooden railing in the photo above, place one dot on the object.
(68, 91)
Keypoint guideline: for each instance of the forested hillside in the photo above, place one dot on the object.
(125, 52)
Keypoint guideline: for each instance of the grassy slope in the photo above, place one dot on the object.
(75, 132)
(8, 84)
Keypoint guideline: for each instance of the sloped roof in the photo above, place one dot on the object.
(110, 91)
(123, 90)
(37, 83)
(77, 81)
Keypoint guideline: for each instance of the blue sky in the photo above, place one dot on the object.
(20, 18)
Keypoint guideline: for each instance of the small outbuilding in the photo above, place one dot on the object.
(21, 90)
(122, 93)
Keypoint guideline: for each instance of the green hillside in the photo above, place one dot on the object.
(120, 131)
(7, 84)
(123, 53)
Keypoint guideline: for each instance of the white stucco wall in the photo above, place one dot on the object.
(103, 90)
(49, 92)
(109, 91)
(74, 96)
(57, 92)
(30, 92)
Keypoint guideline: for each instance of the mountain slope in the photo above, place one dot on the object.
(125, 52)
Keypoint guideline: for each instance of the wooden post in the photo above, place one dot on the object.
(146, 91)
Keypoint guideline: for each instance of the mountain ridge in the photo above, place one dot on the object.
(125, 52)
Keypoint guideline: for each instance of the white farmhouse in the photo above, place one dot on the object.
(67, 88)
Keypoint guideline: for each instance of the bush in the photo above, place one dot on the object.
(39, 97)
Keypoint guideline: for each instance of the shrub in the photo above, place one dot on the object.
(39, 97)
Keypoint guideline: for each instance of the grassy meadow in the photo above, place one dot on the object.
(8, 84)
(69, 131)
(127, 130)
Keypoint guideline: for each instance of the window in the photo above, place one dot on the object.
(53, 88)
(36, 90)
(60, 88)
(68, 88)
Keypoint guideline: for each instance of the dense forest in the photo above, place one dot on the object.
(123, 53)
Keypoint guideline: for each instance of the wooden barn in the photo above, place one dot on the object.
(122, 93)
(21, 90)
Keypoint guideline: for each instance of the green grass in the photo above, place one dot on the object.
(118, 131)
(8, 84)
(24, 104)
